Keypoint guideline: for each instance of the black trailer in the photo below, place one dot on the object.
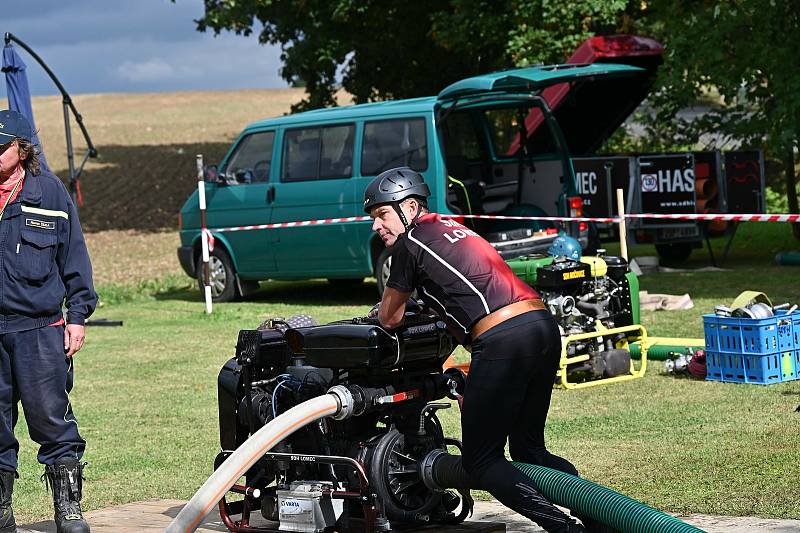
(672, 183)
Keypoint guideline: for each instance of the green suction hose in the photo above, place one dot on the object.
(661, 352)
(600, 503)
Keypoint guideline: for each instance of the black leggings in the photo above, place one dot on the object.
(507, 396)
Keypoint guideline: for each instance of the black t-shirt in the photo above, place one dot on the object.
(456, 272)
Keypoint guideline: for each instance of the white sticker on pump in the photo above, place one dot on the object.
(295, 507)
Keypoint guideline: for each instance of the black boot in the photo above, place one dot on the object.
(7, 523)
(65, 478)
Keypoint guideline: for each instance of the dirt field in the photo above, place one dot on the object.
(147, 145)
(128, 257)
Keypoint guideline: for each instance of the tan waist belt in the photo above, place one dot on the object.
(504, 313)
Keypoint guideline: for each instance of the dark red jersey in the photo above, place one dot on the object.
(456, 272)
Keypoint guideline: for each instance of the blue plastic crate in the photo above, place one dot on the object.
(760, 369)
(791, 365)
(765, 336)
(746, 350)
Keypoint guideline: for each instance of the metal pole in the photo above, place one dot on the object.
(68, 106)
(201, 193)
(73, 191)
(623, 236)
(9, 37)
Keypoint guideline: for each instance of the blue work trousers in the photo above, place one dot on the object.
(34, 370)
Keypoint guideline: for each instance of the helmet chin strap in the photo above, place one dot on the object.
(399, 211)
(403, 219)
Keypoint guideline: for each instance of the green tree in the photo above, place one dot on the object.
(744, 51)
(387, 49)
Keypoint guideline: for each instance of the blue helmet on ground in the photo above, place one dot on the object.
(566, 246)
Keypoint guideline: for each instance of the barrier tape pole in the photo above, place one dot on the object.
(204, 233)
(623, 235)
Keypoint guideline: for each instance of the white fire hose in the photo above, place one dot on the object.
(337, 403)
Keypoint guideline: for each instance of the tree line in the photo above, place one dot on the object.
(739, 56)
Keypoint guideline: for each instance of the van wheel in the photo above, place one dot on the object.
(676, 252)
(222, 276)
(382, 267)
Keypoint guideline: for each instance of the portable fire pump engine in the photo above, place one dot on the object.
(595, 301)
(381, 470)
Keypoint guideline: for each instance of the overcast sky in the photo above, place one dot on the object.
(97, 46)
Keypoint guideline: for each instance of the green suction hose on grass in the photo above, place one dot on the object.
(611, 508)
(659, 348)
(661, 352)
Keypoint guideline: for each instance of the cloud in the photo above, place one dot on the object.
(145, 71)
(142, 46)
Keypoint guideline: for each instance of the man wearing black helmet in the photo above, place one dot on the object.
(515, 342)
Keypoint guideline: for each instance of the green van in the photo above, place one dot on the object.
(465, 142)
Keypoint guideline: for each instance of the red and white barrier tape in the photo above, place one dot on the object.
(552, 219)
(295, 224)
(728, 218)
(606, 220)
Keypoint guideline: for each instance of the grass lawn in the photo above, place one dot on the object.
(145, 396)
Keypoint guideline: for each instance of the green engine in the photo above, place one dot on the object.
(581, 293)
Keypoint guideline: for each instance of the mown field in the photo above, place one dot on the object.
(147, 144)
(145, 393)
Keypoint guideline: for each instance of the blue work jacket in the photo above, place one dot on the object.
(44, 263)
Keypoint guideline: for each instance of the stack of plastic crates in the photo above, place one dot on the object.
(749, 350)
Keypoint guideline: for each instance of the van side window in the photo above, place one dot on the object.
(251, 161)
(318, 153)
(394, 143)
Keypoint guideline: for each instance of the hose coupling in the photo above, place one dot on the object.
(426, 469)
(345, 400)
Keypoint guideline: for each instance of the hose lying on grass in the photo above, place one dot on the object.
(660, 348)
(586, 498)
(583, 497)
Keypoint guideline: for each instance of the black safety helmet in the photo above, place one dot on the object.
(393, 186)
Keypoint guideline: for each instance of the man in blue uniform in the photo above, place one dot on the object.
(514, 340)
(44, 265)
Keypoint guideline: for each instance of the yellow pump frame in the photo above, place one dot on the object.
(563, 376)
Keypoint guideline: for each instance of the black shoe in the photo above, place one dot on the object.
(574, 527)
(65, 479)
(593, 526)
(7, 523)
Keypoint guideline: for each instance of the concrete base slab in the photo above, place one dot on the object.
(489, 517)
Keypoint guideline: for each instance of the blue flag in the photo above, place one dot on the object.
(19, 95)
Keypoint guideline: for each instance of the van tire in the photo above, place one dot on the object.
(676, 252)
(223, 276)
(382, 266)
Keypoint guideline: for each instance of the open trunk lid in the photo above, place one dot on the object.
(589, 102)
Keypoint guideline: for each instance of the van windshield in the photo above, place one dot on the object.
(252, 159)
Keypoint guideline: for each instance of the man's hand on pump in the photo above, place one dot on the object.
(392, 308)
